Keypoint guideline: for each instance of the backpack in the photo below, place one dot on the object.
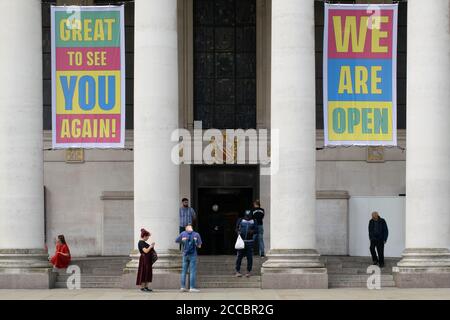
(246, 229)
(190, 245)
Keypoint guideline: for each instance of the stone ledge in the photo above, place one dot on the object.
(294, 269)
(117, 195)
(22, 278)
(422, 278)
(332, 194)
(320, 194)
(294, 280)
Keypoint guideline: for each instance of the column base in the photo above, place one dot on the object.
(25, 269)
(166, 271)
(423, 268)
(294, 269)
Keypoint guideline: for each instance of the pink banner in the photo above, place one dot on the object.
(363, 36)
(87, 59)
(88, 128)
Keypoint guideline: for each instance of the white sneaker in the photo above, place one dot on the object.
(194, 290)
(183, 290)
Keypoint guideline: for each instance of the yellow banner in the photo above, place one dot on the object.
(360, 121)
(88, 92)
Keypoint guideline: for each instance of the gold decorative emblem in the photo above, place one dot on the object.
(375, 154)
(74, 155)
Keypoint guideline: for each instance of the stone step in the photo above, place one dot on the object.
(63, 285)
(357, 284)
(96, 271)
(99, 265)
(224, 270)
(357, 281)
(227, 263)
(228, 278)
(92, 278)
(355, 271)
(236, 284)
(358, 277)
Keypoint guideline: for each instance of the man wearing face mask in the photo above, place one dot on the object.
(215, 224)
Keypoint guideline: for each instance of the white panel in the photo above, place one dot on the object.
(392, 209)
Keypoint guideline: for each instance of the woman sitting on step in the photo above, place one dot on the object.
(61, 259)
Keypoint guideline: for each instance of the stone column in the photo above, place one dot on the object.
(156, 177)
(426, 259)
(23, 260)
(293, 260)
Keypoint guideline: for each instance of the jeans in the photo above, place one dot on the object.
(260, 239)
(379, 245)
(248, 252)
(189, 261)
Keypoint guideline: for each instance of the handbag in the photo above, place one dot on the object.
(154, 256)
(239, 243)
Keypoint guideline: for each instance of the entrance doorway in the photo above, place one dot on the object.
(221, 196)
(219, 210)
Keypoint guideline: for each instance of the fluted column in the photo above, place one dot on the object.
(156, 177)
(426, 259)
(23, 260)
(293, 260)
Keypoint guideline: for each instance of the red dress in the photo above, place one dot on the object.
(145, 270)
(59, 260)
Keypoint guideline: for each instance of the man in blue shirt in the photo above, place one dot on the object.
(190, 240)
(187, 214)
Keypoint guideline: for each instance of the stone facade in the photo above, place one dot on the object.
(116, 192)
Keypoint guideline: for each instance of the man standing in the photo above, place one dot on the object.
(246, 228)
(378, 234)
(258, 215)
(217, 230)
(190, 240)
(187, 214)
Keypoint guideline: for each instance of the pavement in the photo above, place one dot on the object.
(229, 294)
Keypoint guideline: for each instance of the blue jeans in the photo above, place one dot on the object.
(189, 261)
(261, 240)
(247, 252)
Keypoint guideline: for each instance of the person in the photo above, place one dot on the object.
(62, 257)
(190, 240)
(145, 270)
(246, 228)
(187, 215)
(217, 230)
(378, 235)
(258, 216)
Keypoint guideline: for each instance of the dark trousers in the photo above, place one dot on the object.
(379, 246)
(181, 230)
(247, 252)
(216, 243)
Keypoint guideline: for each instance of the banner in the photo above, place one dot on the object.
(360, 75)
(88, 77)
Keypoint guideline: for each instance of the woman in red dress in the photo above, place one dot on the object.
(61, 259)
(145, 271)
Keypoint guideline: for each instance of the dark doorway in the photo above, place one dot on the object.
(219, 210)
(231, 189)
